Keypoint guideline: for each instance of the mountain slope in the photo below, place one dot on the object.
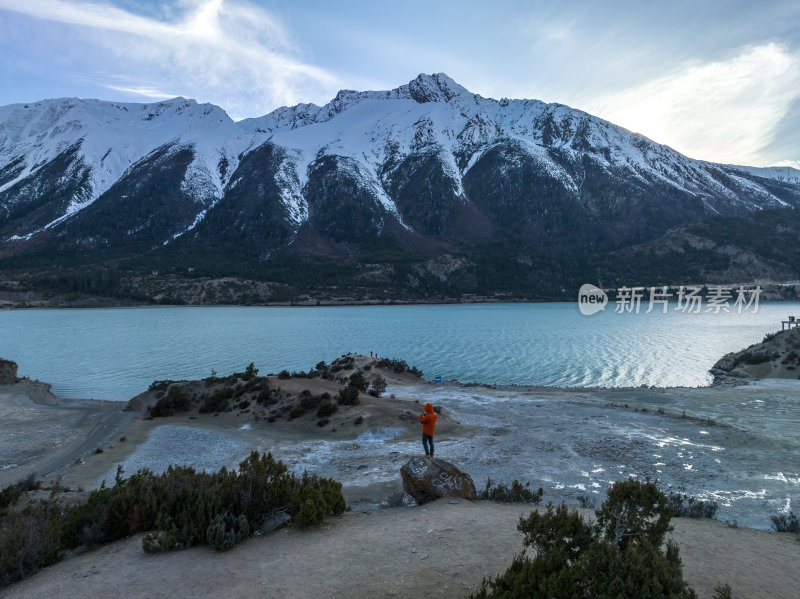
(84, 147)
(425, 187)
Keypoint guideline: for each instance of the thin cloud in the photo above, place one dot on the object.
(724, 111)
(145, 92)
(791, 163)
(230, 53)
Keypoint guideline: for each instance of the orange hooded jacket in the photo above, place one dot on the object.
(428, 420)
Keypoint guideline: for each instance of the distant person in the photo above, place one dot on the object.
(428, 420)
(370, 354)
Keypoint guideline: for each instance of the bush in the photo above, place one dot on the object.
(12, 493)
(219, 401)
(160, 385)
(378, 386)
(182, 506)
(348, 396)
(518, 493)
(358, 381)
(284, 374)
(227, 530)
(250, 372)
(621, 556)
(753, 359)
(722, 591)
(313, 508)
(785, 523)
(29, 540)
(174, 401)
(684, 506)
(264, 396)
(326, 408)
(309, 401)
(398, 366)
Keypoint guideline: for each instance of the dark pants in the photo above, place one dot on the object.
(427, 439)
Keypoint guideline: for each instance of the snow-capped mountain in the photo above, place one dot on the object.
(429, 165)
(86, 146)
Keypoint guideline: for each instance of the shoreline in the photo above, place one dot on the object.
(102, 303)
(572, 441)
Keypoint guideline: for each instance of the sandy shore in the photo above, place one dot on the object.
(43, 434)
(571, 442)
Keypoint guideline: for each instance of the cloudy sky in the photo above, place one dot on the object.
(717, 80)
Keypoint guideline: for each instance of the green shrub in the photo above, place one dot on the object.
(518, 493)
(309, 401)
(284, 374)
(785, 523)
(312, 508)
(348, 396)
(684, 506)
(227, 530)
(753, 359)
(250, 372)
(264, 396)
(29, 540)
(219, 401)
(398, 366)
(378, 386)
(160, 385)
(358, 381)
(174, 401)
(722, 591)
(178, 508)
(12, 493)
(326, 408)
(621, 556)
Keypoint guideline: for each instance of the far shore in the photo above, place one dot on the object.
(772, 293)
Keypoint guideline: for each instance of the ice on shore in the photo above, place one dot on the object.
(169, 445)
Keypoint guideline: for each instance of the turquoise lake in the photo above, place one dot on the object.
(116, 353)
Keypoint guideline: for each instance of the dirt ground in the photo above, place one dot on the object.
(44, 434)
(443, 549)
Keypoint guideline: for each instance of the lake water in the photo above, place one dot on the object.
(116, 353)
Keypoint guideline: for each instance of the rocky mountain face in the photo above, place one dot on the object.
(425, 189)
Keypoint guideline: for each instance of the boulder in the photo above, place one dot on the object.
(8, 371)
(426, 479)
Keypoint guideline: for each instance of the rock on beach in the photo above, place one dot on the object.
(426, 479)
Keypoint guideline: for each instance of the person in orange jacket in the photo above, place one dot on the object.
(428, 420)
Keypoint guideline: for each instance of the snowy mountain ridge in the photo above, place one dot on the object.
(59, 157)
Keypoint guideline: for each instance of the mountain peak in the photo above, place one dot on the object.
(437, 87)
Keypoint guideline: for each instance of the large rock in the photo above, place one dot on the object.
(776, 357)
(426, 479)
(8, 371)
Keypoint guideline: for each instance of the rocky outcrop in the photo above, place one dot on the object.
(8, 371)
(426, 479)
(776, 357)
